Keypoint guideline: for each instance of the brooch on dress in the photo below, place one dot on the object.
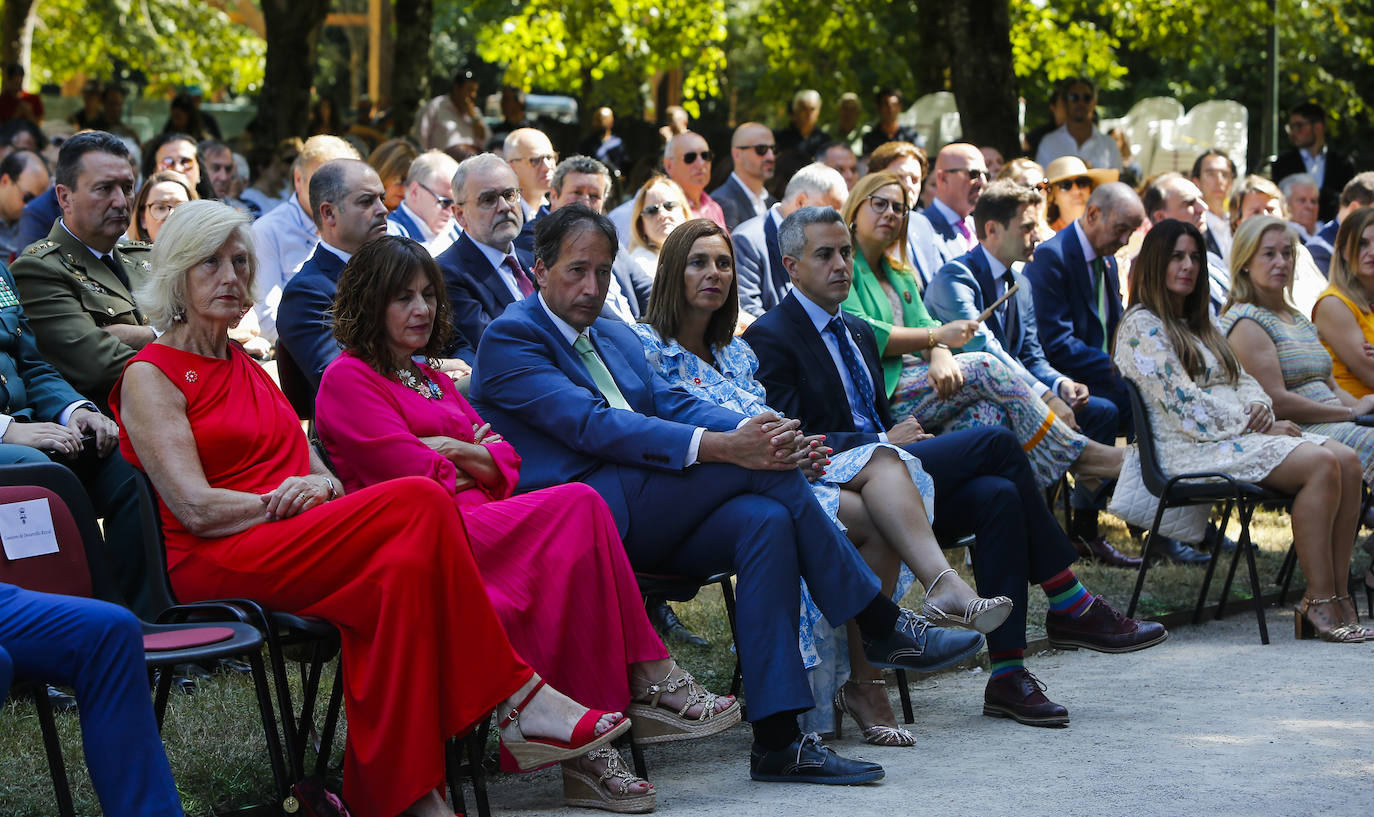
(191, 376)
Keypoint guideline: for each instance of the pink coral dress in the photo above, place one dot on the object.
(553, 563)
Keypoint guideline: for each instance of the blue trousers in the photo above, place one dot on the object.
(1100, 421)
(97, 649)
(765, 526)
(984, 486)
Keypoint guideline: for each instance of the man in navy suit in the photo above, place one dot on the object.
(346, 201)
(743, 196)
(426, 213)
(762, 279)
(1007, 219)
(694, 488)
(961, 173)
(821, 365)
(1076, 291)
(484, 272)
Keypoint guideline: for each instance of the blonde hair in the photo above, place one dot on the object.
(193, 232)
(1243, 248)
(323, 148)
(863, 189)
(638, 236)
(1345, 261)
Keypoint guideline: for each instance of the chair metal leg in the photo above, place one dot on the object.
(727, 591)
(1145, 559)
(1212, 563)
(453, 770)
(331, 720)
(295, 750)
(1284, 579)
(164, 686)
(477, 744)
(1254, 573)
(1246, 510)
(269, 726)
(56, 767)
(905, 694)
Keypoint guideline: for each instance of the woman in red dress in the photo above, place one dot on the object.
(552, 559)
(248, 510)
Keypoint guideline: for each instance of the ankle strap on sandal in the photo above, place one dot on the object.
(514, 713)
(930, 588)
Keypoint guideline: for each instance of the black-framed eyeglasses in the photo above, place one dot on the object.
(690, 157)
(1082, 182)
(652, 209)
(759, 150)
(443, 201)
(486, 200)
(1077, 97)
(881, 205)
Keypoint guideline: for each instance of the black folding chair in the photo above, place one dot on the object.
(1199, 488)
(79, 569)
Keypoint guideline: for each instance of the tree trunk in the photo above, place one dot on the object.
(411, 71)
(293, 28)
(17, 32)
(984, 85)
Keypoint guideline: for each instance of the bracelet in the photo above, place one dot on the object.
(930, 338)
(333, 492)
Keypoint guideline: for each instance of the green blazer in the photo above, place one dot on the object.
(69, 295)
(868, 301)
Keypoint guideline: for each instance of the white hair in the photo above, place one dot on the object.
(432, 166)
(193, 232)
(815, 179)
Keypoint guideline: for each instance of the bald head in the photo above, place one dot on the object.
(961, 172)
(1113, 212)
(687, 161)
(752, 150)
(530, 154)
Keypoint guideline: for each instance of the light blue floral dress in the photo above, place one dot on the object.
(731, 384)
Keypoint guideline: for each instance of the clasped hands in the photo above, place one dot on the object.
(1262, 422)
(767, 442)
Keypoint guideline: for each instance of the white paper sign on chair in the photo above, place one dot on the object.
(26, 529)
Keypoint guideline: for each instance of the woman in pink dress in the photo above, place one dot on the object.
(552, 560)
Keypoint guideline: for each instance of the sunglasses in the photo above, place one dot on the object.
(486, 200)
(667, 207)
(881, 205)
(184, 162)
(541, 159)
(691, 156)
(1074, 97)
(759, 150)
(973, 174)
(443, 201)
(1082, 182)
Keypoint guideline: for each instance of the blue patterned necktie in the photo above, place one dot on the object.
(857, 373)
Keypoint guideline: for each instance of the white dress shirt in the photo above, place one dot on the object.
(1100, 151)
(821, 320)
(754, 199)
(284, 238)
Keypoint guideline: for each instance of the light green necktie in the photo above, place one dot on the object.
(1100, 270)
(601, 376)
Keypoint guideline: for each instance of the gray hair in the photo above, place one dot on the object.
(1110, 197)
(1297, 180)
(329, 183)
(792, 233)
(815, 179)
(193, 232)
(579, 164)
(675, 138)
(807, 95)
(430, 166)
(475, 164)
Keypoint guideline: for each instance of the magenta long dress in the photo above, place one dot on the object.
(553, 563)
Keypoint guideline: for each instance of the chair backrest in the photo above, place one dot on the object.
(68, 571)
(295, 384)
(1150, 470)
(159, 586)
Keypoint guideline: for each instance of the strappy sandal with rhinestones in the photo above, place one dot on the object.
(1304, 627)
(584, 789)
(876, 734)
(656, 722)
(983, 615)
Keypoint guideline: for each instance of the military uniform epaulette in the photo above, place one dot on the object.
(42, 247)
(127, 245)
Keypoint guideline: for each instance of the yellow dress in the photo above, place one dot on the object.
(1345, 378)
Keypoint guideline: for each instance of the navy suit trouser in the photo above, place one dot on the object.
(766, 527)
(984, 486)
(1113, 389)
(97, 649)
(1099, 420)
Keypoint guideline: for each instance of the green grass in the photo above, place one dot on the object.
(214, 738)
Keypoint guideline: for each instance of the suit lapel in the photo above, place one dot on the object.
(777, 273)
(821, 362)
(475, 260)
(631, 388)
(988, 289)
(565, 356)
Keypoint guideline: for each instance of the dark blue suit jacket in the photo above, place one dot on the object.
(475, 289)
(302, 318)
(925, 245)
(533, 388)
(800, 376)
(1323, 245)
(406, 224)
(38, 217)
(758, 263)
(524, 242)
(31, 389)
(735, 203)
(1065, 309)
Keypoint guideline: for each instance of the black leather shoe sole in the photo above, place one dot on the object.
(999, 711)
(1073, 643)
(823, 780)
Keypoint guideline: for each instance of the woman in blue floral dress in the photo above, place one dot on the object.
(695, 293)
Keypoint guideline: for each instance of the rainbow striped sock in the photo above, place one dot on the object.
(1006, 661)
(1067, 595)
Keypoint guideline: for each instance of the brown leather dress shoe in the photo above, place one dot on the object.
(1020, 696)
(1102, 550)
(1104, 629)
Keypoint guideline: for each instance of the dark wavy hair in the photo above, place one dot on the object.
(374, 275)
(668, 299)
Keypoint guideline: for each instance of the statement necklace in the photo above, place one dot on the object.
(427, 388)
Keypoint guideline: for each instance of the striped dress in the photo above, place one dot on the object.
(1306, 368)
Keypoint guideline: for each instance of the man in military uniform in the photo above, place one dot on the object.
(43, 418)
(76, 285)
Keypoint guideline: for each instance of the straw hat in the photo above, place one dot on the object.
(1071, 167)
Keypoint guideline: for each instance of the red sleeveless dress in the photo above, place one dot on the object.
(390, 565)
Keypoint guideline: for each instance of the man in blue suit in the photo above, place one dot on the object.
(762, 279)
(426, 213)
(742, 195)
(1076, 290)
(1007, 219)
(821, 365)
(484, 272)
(961, 173)
(694, 488)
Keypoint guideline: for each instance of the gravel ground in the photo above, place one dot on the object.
(1208, 723)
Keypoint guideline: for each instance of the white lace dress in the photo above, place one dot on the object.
(1198, 425)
